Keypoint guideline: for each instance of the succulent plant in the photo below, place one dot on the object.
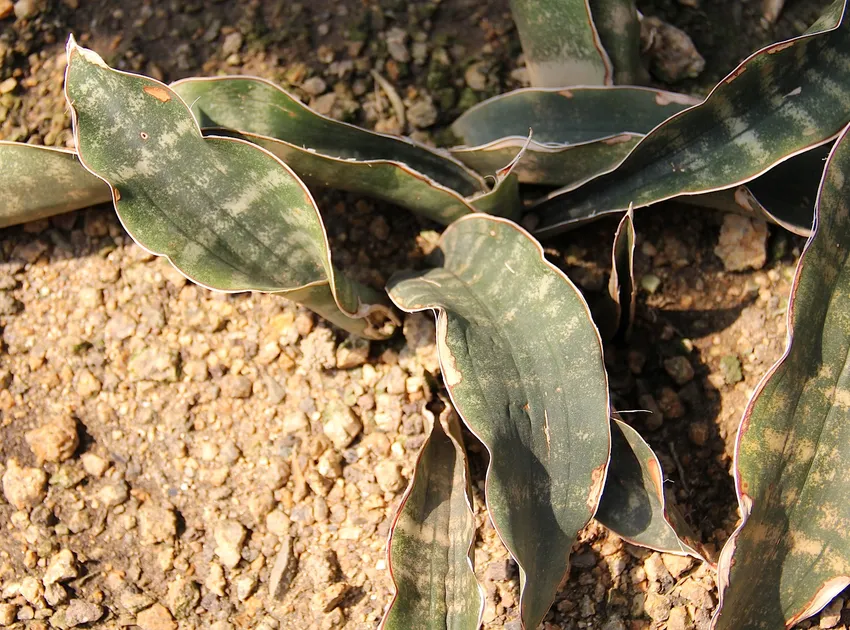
(214, 173)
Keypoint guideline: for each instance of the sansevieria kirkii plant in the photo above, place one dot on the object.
(213, 173)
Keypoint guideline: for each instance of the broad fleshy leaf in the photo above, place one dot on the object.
(560, 43)
(576, 133)
(790, 556)
(430, 549)
(326, 152)
(619, 311)
(227, 214)
(523, 364)
(618, 26)
(38, 182)
(786, 99)
(633, 503)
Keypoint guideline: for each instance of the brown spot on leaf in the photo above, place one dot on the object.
(735, 74)
(623, 137)
(117, 194)
(655, 473)
(597, 483)
(780, 47)
(566, 93)
(159, 93)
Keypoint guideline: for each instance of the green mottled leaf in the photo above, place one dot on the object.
(785, 99)
(577, 133)
(431, 540)
(618, 310)
(790, 555)
(523, 364)
(326, 152)
(227, 214)
(617, 23)
(560, 43)
(38, 182)
(633, 503)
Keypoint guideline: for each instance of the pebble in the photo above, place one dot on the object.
(156, 617)
(282, 571)
(153, 364)
(25, 9)
(235, 386)
(215, 581)
(62, 567)
(475, 76)
(730, 369)
(352, 352)
(397, 44)
(7, 7)
(388, 475)
(55, 595)
(670, 404)
(232, 44)
(657, 606)
(329, 598)
(657, 573)
(831, 615)
(677, 565)
(80, 612)
(157, 524)
(183, 595)
(23, 487)
(229, 538)
(314, 86)
(678, 619)
(671, 51)
(87, 384)
(119, 327)
(679, 369)
(55, 441)
(499, 570)
(8, 614)
(341, 424)
(742, 244)
(698, 433)
(94, 465)
(650, 283)
(245, 587)
(422, 113)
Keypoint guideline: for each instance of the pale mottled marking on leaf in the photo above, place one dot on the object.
(159, 93)
(795, 92)
(448, 365)
(842, 398)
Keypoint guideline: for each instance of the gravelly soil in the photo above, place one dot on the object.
(184, 442)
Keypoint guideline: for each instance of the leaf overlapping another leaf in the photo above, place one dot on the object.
(326, 152)
(560, 43)
(431, 541)
(523, 364)
(790, 555)
(226, 213)
(786, 99)
(38, 182)
(633, 503)
(577, 133)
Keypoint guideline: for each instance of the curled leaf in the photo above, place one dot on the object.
(633, 503)
(38, 182)
(560, 43)
(577, 132)
(786, 99)
(226, 213)
(538, 402)
(430, 547)
(790, 555)
(326, 152)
